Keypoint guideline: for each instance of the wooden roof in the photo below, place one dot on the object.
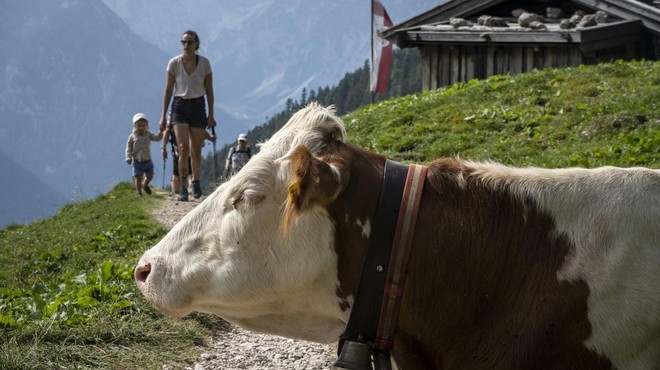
(431, 26)
(445, 33)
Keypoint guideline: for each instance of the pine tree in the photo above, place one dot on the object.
(303, 97)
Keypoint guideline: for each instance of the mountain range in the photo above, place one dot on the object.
(265, 51)
(36, 199)
(74, 73)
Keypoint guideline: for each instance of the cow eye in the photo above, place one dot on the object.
(250, 200)
(236, 201)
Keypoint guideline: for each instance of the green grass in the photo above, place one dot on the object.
(67, 296)
(587, 116)
(68, 300)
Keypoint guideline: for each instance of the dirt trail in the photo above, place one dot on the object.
(173, 210)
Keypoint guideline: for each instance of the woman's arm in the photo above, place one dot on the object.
(169, 86)
(163, 143)
(208, 86)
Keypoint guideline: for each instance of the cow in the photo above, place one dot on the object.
(509, 268)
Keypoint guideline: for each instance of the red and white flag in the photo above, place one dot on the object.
(381, 49)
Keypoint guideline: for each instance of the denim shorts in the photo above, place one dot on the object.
(190, 111)
(140, 168)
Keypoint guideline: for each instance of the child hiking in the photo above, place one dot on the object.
(138, 152)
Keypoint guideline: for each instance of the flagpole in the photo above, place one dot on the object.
(371, 52)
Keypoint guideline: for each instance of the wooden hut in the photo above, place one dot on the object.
(465, 39)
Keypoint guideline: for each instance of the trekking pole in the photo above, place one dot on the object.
(215, 159)
(164, 163)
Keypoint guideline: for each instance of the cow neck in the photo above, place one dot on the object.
(374, 314)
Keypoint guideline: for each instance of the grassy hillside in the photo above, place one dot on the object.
(587, 116)
(67, 297)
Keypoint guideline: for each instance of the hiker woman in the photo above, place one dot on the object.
(189, 79)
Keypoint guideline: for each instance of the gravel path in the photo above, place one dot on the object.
(234, 348)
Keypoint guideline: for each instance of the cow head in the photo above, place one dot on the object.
(260, 250)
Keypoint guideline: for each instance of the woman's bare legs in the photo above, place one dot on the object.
(181, 130)
(196, 143)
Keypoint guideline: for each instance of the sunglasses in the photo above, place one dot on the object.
(187, 42)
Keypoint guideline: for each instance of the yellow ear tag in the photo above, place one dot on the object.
(317, 180)
(293, 193)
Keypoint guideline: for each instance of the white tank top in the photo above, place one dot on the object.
(189, 86)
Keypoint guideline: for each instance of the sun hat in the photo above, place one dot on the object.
(139, 116)
(242, 137)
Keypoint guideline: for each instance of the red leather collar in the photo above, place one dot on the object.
(396, 276)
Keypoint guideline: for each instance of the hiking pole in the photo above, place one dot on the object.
(164, 163)
(215, 159)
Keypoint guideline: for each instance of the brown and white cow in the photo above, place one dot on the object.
(510, 268)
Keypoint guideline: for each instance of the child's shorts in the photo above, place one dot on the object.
(140, 168)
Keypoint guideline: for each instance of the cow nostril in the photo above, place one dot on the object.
(141, 273)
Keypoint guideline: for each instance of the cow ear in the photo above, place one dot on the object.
(314, 181)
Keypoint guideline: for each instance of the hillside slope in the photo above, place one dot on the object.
(607, 114)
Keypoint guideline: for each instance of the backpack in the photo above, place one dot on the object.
(233, 150)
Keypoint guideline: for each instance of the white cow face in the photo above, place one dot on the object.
(231, 257)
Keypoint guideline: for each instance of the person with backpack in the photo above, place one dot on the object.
(238, 156)
(170, 137)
